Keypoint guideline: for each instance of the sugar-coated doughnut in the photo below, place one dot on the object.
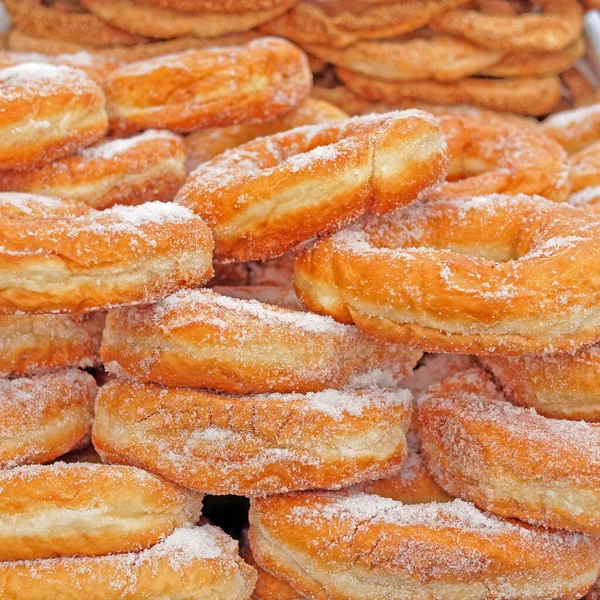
(522, 95)
(123, 255)
(253, 445)
(269, 587)
(267, 294)
(47, 112)
(588, 199)
(146, 167)
(82, 508)
(44, 416)
(585, 167)
(225, 6)
(351, 546)
(433, 277)
(561, 386)
(33, 344)
(32, 206)
(202, 339)
(212, 87)
(576, 128)
(196, 564)
(157, 22)
(508, 459)
(555, 26)
(207, 143)
(265, 197)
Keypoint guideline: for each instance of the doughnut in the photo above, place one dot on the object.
(559, 386)
(47, 112)
(433, 277)
(34, 344)
(269, 294)
(82, 508)
(148, 166)
(201, 339)
(341, 23)
(488, 156)
(275, 272)
(257, 444)
(159, 22)
(34, 206)
(555, 27)
(579, 85)
(124, 255)
(207, 143)
(587, 198)
(574, 129)
(225, 6)
(200, 564)
(267, 196)
(267, 586)
(522, 95)
(351, 546)
(44, 416)
(585, 167)
(67, 21)
(509, 459)
(211, 87)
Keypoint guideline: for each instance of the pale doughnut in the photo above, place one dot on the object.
(82, 508)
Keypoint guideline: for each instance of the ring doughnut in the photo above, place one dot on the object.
(148, 166)
(265, 197)
(576, 128)
(490, 156)
(559, 386)
(351, 546)
(508, 459)
(522, 95)
(211, 87)
(555, 27)
(47, 112)
(201, 339)
(156, 22)
(200, 563)
(44, 19)
(341, 23)
(432, 277)
(33, 344)
(205, 144)
(253, 445)
(225, 6)
(585, 167)
(81, 508)
(44, 416)
(124, 255)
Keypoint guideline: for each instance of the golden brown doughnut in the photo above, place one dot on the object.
(269, 294)
(195, 564)
(509, 459)
(44, 416)
(225, 6)
(574, 129)
(585, 167)
(212, 87)
(148, 166)
(587, 199)
(352, 546)
(81, 508)
(205, 144)
(264, 198)
(267, 586)
(67, 21)
(159, 22)
(201, 339)
(33, 344)
(33, 206)
(433, 276)
(124, 255)
(47, 112)
(253, 445)
(522, 95)
(555, 26)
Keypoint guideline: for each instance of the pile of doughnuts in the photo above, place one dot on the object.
(379, 332)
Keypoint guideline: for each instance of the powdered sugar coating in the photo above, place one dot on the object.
(111, 149)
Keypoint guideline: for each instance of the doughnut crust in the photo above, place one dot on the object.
(44, 416)
(253, 445)
(146, 167)
(201, 339)
(47, 112)
(351, 546)
(123, 255)
(265, 197)
(509, 459)
(89, 509)
(195, 564)
(585, 167)
(225, 6)
(211, 87)
(576, 128)
(434, 278)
